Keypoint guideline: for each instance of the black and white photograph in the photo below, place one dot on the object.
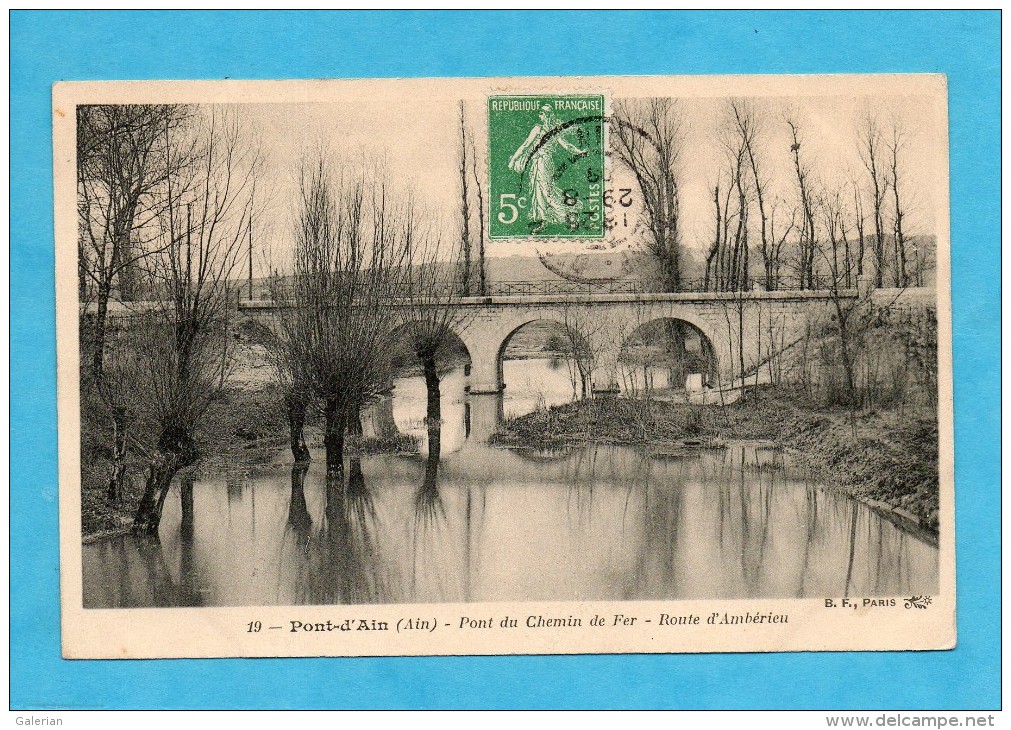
(521, 365)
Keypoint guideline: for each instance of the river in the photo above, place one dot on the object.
(481, 523)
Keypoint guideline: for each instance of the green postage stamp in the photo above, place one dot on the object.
(546, 166)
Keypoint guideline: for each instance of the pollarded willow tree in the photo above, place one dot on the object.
(351, 252)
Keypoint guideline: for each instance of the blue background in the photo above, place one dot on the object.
(46, 47)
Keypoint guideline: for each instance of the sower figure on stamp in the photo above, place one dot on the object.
(536, 154)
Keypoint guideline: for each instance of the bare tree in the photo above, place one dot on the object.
(717, 242)
(869, 148)
(895, 146)
(852, 338)
(185, 351)
(849, 324)
(351, 250)
(482, 266)
(835, 213)
(728, 261)
(123, 165)
(808, 240)
(117, 399)
(577, 328)
(923, 258)
(748, 126)
(465, 242)
(717, 275)
(739, 138)
(859, 219)
(649, 138)
(773, 258)
(288, 355)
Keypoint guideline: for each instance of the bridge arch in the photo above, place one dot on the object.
(671, 349)
(410, 403)
(453, 349)
(489, 344)
(562, 339)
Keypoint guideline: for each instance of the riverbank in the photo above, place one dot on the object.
(886, 458)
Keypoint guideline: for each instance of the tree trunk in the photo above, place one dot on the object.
(144, 521)
(186, 505)
(176, 450)
(432, 387)
(123, 258)
(355, 426)
(296, 425)
(735, 265)
(430, 485)
(356, 488)
(849, 265)
(482, 272)
(844, 350)
(114, 492)
(879, 252)
(427, 503)
(189, 595)
(464, 207)
(334, 423)
(334, 509)
(861, 243)
(98, 346)
(740, 337)
(745, 263)
(159, 477)
(675, 346)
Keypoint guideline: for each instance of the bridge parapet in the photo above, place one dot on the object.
(528, 300)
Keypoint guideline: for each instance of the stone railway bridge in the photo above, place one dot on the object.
(755, 324)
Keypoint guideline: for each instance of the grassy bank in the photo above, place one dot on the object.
(883, 456)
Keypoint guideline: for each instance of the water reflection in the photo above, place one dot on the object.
(485, 524)
(462, 521)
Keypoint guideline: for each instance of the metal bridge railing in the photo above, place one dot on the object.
(521, 288)
(558, 286)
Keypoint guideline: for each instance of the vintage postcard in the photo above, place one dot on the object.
(504, 366)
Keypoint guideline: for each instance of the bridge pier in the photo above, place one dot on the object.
(485, 370)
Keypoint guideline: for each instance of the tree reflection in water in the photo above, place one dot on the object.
(431, 566)
(663, 514)
(189, 588)
(598, 522)
(341, 557)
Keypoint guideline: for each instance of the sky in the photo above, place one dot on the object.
(410, 132)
